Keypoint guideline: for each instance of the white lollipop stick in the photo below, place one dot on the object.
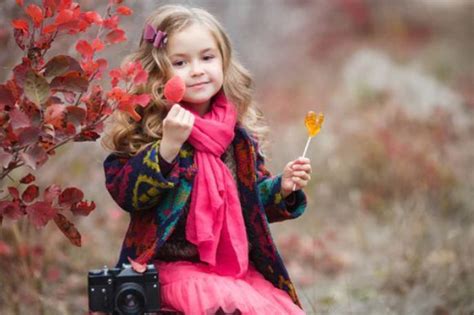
(304, 153)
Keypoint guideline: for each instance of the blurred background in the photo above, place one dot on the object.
(389, 225)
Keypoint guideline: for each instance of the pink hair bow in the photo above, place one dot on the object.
(157, 38)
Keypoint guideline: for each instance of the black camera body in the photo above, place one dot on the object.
(124, 291)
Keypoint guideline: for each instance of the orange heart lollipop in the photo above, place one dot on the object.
(313, 123)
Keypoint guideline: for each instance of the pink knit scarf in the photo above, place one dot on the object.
(215, 223)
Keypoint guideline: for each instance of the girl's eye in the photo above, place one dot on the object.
(208, 57)
(178, 63)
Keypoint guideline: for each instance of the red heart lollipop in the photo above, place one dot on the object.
(174, 89)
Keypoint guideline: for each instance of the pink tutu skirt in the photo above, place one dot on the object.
(192, 288)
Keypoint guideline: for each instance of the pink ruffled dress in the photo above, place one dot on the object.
(192, 288)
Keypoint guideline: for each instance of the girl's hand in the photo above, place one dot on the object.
(295, 172)
(177, 127)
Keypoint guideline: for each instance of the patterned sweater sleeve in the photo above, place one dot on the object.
(137, 183)
(276, 207)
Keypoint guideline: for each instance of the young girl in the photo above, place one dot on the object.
(193, 179)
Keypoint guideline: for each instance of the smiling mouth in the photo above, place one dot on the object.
(198, 84)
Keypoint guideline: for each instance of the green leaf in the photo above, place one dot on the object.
(36, 88)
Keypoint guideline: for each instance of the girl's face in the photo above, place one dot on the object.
(195, 57)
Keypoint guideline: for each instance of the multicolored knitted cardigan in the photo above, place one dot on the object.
(155, 203)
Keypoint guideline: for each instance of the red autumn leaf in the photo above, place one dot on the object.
(118, 94)
(10, 209)
(70, 196)
(96, 68)
(61, 64)
(114, 82)
(14, 192)
(87, 135)
(85, 49)
(30, 193)
(142, 99)
(83, 208)
(97, 44)
(115, 73)
(55, 115)
(140, 268)
(94, 103)
(73, 81)
(102, 66)
(48, 29)
(20, 38)
(19, 2)
(75, 115)
(51, 193)
(31, 110)
(18, 119)
(28, 135)
(64, 16)
(93, 17)
(124, 10)
(40, 213)
(64, 4)
(19, 72)
(129, 108)
(141, 77)
(70, 129)
(10, 138)
(68, 229)
(35, 13)
(13, 88)
(34, 156)
(111, 23)
(116, 36)
(49, 7)
(21, 24)
(6, 96)
(129, 68)
(28, 179)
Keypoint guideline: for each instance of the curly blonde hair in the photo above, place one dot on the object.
(128, 137)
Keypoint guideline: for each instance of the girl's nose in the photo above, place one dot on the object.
(196, 69)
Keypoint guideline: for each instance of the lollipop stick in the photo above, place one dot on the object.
(306, 147)
(304, 153)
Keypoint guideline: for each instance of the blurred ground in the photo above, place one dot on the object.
(389, 225)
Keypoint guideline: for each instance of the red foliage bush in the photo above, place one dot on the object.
(50, 101)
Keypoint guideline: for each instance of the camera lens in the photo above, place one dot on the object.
(130, 299)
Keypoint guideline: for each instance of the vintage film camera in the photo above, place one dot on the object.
(124, 291)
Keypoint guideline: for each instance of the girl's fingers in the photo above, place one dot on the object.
(174, 110)
(304, 167)
(299, 181)
(189, 118)
(302, 175)
(180, 115)
(302, 160)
